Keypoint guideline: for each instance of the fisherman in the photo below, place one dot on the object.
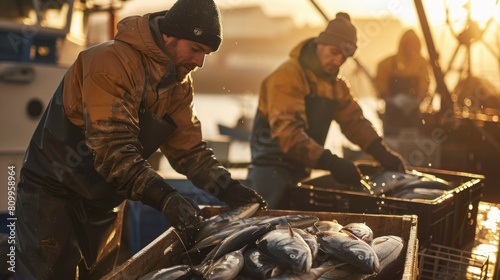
(403, 82)
(118, 103)
(297, 103)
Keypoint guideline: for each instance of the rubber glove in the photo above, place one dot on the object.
(236, 194)
(344, 171)
(388, 158)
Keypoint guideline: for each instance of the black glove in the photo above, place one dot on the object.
(389, 159)
(181, 212)
(344, 171)
(235, 195)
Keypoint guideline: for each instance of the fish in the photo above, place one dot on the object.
(287, 249)
(214, 223)
(387, 181)
(349, 249)
(388, 249)
(227, 267)
(360, 230)
(313, 274)
(177, 272)
(216, 237)
(237, 240)
(257, 266)
(310, 240)
(325, 226)
(295, 221)
(341, 273)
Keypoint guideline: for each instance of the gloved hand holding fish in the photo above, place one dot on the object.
(244, 246)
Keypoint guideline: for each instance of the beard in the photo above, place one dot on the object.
(182, 70)
(330, 68)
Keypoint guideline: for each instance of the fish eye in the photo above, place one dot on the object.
(361, 257)
(293, 256)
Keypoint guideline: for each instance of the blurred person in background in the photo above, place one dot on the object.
(297, 103)
(118, 103)
(402, 81)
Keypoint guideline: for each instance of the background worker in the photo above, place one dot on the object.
(118, 103)
(402, 80)
(297, 103)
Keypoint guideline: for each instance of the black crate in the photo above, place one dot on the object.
(449, 219)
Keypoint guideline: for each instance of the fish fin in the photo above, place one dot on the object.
(290, 231)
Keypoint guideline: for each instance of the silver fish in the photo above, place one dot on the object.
(216, 222)
(216, 237)
(310, 240)
(360, 230)
(227, 267)
(171, 273)
(349, 249)
(237, 240)
(286, 248)
(388, 249)
(257, 266)
(295, 221)
(386, 181)
(341, 273)
(313, 274)
(325, 226)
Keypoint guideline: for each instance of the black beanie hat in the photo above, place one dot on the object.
(194, 20)
(340, 32)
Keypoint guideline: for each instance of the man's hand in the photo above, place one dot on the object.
(183, 214)
(389, 159)
(235, 195)
(344, 171)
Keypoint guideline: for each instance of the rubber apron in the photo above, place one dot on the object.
(272, 173)
(60, 187)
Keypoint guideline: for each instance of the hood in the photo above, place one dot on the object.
(409, 42)
(295, 52)
(135, 31)
(312, 64)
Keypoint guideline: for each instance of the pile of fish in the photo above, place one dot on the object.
(237, 245)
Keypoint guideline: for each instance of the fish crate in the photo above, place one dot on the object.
(448, 220)
(164, 251)
(442, 262)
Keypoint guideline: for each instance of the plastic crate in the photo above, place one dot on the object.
(441, 262)
(163, 251)
(449, 219)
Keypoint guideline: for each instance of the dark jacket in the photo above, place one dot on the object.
(102, 93)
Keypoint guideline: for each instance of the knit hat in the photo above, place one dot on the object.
(340, 32)
(194, 20)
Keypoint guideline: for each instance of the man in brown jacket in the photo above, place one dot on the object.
(118, 103)
(297, 103)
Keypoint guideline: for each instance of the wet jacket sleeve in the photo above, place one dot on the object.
(350, 118)
(110, 106)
